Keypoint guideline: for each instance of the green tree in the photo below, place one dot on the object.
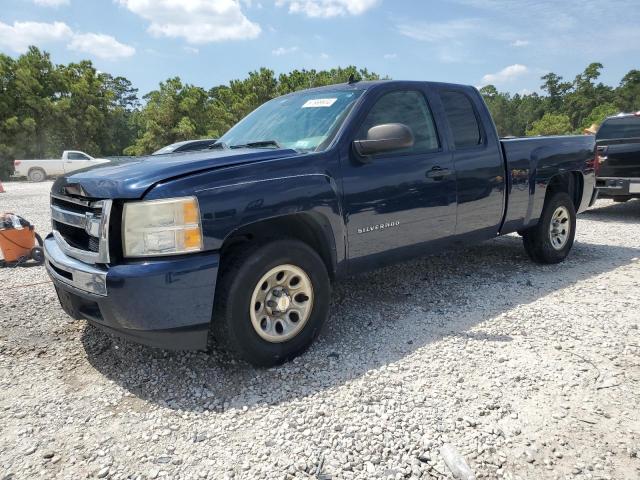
(598, 114)
(501, 108)
(628, 93)
(46, 108)
(556, 90)
(172, 113)
(551, 124)
(586, 95)
(30, 87)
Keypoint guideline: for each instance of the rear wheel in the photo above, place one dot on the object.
(37, 175)
(271, 302)
(552, 238)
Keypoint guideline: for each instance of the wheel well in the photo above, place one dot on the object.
(36, 168)
(568, 182)
(306, 227)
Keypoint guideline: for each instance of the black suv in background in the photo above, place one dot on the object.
(618, 141)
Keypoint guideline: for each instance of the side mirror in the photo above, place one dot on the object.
(385, 138)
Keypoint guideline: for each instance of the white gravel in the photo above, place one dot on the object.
(529, 372)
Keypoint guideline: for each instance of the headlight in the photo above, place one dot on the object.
(161, 227)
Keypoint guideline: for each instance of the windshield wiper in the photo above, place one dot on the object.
(258, 144)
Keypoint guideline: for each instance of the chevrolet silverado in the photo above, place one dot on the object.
(238, 245)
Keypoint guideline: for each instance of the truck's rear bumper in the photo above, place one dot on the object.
(163, 303)
(610, 187)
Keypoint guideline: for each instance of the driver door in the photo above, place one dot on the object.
(399, 202)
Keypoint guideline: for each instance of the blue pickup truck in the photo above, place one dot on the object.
(238, 246)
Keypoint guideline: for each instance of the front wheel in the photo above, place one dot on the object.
(552, 238)
(271, 302)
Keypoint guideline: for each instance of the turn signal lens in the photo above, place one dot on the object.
(192, 239)
(190, 214)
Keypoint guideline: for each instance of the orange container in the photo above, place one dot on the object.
(16, 243)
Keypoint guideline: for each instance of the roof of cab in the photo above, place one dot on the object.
(368, 84)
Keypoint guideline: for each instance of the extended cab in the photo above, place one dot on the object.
(241, 243)
(39, 170)
(618, 170)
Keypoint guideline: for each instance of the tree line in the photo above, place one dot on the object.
(46, 108)
(565, 107)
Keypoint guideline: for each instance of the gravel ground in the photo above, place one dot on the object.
(528, 371)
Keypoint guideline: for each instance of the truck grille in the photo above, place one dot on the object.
(81, 227)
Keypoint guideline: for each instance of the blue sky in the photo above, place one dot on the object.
(509, 43)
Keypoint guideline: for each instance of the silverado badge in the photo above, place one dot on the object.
(380, 226)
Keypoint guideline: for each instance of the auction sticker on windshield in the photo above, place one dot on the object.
(319, 102)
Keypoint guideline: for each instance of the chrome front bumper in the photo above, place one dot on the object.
(70, 271)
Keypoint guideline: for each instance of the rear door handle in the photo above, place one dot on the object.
(438, 173)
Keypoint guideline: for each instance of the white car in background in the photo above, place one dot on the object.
(38, 170)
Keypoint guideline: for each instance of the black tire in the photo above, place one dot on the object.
(37, 175)
(537, 240)
(231, 326)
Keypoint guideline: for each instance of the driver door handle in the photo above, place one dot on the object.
(438, 173)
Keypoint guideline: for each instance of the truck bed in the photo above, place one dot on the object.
(530, 162)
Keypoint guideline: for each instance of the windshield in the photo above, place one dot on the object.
(620, 127)
(305, 121)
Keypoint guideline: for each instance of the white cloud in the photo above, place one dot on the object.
(505, 75)
(192, 50)
(20, 35)
(448, 38)
(559, 27)
(328, 8)
(100, 45)
(439, 31)
(324, 56)
(51, 3)
(520, 43)
(278, 52)
(390, 56)
(197, 21)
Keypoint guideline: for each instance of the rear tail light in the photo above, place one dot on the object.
(16, 163)
(600, 156)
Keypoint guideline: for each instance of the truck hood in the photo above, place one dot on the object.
(132, 177)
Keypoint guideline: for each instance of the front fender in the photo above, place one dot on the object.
(228, 206)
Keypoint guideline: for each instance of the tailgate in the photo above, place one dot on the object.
(619, 158)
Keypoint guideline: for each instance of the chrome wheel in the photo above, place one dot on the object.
(560, 228)
(281, 303)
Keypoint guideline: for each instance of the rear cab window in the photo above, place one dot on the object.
(462, 119)
(619, 127)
